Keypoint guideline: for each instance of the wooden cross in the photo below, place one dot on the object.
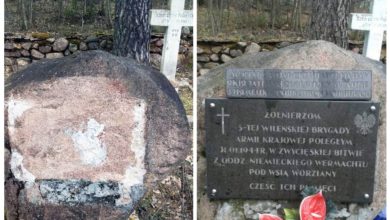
(374, 24)
(175, 19)
(223, 115)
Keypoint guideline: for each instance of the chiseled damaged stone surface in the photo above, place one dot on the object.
(308, 55)
(87, 136)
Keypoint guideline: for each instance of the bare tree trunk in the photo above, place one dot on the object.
(294, 15)
(31, 13)
(228, 12)
(107, 13)
(273, 13)
(211, 15)
(329, 21)
(221, 15)
(83, 14)
(61, 11)
(299, 15)
(23, 13)
(132, 29)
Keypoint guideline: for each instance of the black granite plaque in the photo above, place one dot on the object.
(273, 149)
(299, 84)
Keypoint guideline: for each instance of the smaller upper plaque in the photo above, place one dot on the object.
(298, 84)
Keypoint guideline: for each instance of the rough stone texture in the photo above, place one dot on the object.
(242, 44)
(155, 49)
(199, 50)
(25, 53)
(252, 48)
(103, 43)
(210, 65)
(225, 58)
(44, 49)
(308, 55)
(92, 38)
(35, 45)
(203, 58)
(155, 60)
(54, 55)
(51, 40)
(67, 53)
(190, 51)
(83, 46)
(214, 57)
(36, 54)
(226, 50)
(235, 53)
(159, 43)
(182, 49)
(17, 46)
(8, 61)
(93, 45)
(283, 44)
(72, 47)
(8, 46)
(203, 71)
(252, 208)
(22, 61)
(216, 49)
(228, 211)
(26, 45)
(11, 53)
(60, 44)
(101, 130)
(8, 71)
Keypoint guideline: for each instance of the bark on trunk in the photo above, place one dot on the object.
(329, 21)
(24, 16)
(132, 29)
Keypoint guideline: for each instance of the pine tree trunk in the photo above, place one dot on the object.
(24, 16)
(211, 16)
(329, 21)
(299, 15)
(273, 12)
(107, 13)
(31, 13)
(132, 29)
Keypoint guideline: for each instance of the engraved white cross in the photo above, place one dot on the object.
(223, 115)
(374, 24)
(175, 19)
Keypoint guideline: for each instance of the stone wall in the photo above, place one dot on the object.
(22, 49)
(213, 54)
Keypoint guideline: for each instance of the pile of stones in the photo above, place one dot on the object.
(212, 56)
(23, 49)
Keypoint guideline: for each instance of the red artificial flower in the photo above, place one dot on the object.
(269, 217)
(313, 207)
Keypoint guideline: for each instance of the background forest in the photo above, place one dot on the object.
(242, 20)
(260, 20)
(66, 16)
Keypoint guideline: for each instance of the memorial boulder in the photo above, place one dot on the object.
(267, 90)
(87, 135)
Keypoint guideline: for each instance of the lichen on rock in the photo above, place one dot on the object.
(89, 134)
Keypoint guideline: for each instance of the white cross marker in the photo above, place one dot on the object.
(374, 24)
(175, 19)
(223, 115)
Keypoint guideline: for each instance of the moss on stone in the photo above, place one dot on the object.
(75, 41)
(41, 35)
(238, 205)
(185, 95)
